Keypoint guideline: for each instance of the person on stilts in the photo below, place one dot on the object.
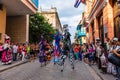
(42, 54)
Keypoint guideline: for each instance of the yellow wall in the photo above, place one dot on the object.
(2, 22)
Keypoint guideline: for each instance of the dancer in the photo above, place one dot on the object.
(42, 55)
(7, 51)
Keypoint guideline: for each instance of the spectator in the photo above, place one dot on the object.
(116, 51)
(76, 51)
(15, 52)
(24, 51)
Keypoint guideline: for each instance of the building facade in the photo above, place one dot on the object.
(102, 20)
(80, 34)
(14, 19)
(52, 17)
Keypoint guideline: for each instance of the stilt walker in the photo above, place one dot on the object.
(42, 54)
(67, 49)
(57, 46)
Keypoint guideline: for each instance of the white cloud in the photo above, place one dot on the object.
(66, 11)
(71, 20)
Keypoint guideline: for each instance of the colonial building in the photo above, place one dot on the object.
(102, 19)
(52, 17)
(14, 18)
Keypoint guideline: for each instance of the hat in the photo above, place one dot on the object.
(115, 39)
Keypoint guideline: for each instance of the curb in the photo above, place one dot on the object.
(97, 73)
(12, 66)
(94, 73)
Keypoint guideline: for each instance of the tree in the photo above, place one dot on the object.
(39, 25)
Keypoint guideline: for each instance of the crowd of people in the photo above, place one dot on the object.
(21, 51)
(98, 53)
(91, 53)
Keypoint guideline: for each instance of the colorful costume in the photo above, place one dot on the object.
(42, 55)
(57, 47)
(7, 52)
(67, 48)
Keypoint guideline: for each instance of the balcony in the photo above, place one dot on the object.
(81, 31)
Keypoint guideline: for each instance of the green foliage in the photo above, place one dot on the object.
(39, 25)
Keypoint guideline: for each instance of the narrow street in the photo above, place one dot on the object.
(33, 71)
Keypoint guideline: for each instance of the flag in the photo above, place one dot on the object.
(77, 3)
(84, 1)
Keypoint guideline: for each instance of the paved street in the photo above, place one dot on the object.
(33, 71)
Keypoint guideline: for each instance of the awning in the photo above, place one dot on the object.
(19, 7)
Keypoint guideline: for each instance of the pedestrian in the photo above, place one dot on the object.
(76, 51)
(80, 53)
(24, 51)
(86, 53)
(111, 67)
(19, 51)
(91, 54)
(28, 51)
(36, 49)
(15, 52)
(32, 54)
(103, 59)
(116, 51)
(98, 54)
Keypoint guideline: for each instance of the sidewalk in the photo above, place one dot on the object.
(8, 66)
(101, 75)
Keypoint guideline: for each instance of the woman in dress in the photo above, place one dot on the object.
(7, 51)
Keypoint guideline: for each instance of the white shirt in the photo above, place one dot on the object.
(118, 47)
(15, 48)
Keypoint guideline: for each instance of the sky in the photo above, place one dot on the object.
(67, 13)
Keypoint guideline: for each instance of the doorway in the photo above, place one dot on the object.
(101, 28)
